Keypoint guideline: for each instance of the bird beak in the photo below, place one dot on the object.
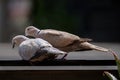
(13, 44)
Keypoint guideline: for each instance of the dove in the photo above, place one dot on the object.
(63, 40)
(35, 49)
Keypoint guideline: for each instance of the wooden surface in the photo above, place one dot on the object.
(87, 60)
(54, 75)
(88, 65)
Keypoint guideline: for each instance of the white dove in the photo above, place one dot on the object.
(35, 49)
(63, 40)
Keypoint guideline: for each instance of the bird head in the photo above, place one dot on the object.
(31, 31)
(17, 40)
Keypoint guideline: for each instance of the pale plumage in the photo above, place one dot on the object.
(63, 40)
(35, 49)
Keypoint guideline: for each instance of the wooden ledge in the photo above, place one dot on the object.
(60, 63)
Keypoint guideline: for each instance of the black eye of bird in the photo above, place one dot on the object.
(28, 29)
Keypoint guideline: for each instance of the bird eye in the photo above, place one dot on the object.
(28, 29)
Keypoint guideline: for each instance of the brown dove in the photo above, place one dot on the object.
(63, 40)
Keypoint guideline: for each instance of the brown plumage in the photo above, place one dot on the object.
(63, 40)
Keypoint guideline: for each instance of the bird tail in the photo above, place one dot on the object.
(93, 47)
(56, 51)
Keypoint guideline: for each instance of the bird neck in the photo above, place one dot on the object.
(38, 32)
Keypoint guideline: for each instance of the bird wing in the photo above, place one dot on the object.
(60, 38)
(53, 51)
(40, 55)
(46, 53)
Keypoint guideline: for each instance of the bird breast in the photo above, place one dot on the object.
(27, 49)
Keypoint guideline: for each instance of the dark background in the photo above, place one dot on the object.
(95, 19)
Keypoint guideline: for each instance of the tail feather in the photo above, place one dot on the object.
(94, 47)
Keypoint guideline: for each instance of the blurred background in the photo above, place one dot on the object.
(96, 19)
(99, 20)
